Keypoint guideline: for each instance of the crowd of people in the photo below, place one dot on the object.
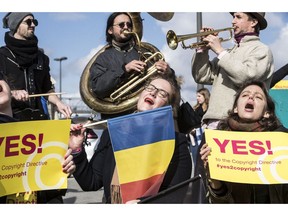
(237, 101)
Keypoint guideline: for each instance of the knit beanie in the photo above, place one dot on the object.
(13, 19)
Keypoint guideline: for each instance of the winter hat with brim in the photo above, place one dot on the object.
(259, 16)
(13, 19)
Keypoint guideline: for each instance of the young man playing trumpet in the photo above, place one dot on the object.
(248, 59)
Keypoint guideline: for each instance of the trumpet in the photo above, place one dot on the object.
(173, 39)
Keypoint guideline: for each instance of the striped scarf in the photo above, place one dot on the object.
(234, 125)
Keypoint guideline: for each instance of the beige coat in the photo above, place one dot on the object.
(251, 60)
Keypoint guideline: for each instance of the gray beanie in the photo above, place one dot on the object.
(13, 19)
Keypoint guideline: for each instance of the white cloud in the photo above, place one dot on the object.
(75, 69)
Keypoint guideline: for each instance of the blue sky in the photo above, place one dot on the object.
(79, 35)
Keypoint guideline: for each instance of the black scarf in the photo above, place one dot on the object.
(25, 51)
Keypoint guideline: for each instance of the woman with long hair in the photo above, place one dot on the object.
(203, 97)
(253, 111)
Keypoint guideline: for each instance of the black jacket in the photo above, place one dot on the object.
(107, 72)
(35, 79)
(99, 171)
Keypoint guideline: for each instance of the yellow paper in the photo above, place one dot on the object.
(248, 157)
(32, 154)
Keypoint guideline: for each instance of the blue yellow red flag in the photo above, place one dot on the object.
(143, 145)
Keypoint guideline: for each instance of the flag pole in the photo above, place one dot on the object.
(95, 123)
(45, 94)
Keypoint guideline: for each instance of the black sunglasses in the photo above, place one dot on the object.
(29, 22)
(122, 24)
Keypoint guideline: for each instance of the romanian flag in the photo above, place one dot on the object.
(143, 145)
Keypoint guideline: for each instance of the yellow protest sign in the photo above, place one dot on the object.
(32, 154)
(282, 84)
(248, 157)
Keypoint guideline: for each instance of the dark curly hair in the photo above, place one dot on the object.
(269, 124)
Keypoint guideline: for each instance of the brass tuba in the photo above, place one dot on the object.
(125, 97)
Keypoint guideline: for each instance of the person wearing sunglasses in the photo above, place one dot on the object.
(26, 68)
(119, 60)
(160, 90)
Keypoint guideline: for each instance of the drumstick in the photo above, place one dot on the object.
(95, 123)
(45, 94)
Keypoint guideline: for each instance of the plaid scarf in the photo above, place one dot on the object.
(234, 125)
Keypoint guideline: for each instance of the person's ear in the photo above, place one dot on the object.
(254, 22)
(266, 114)
(235, 110)
(110, 31)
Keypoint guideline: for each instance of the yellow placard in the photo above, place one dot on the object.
(248, 157)
(32, 154)
(282, 84)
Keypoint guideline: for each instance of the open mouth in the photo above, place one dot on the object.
(149, 100)
(249, 107)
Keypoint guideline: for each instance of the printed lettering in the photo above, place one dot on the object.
(221, 145)
(26, 142)
(237, 146)
(10, 145)
(257, 147)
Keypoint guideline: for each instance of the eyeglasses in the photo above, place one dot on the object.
(160, 92)
(30, 21)
(122, 24)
